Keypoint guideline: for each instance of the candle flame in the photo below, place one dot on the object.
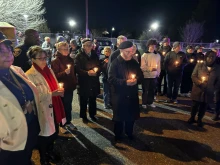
(133, 76)
(95, 69)
(60, 85)
(68, 66)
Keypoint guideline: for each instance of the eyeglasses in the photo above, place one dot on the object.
(42, 58)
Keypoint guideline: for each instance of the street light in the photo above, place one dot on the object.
(26, 18)
(72, 23)
(217, 41)
(154, 26)
(113, 29)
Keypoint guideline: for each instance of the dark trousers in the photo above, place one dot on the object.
(22, 157)
(67, 103)
(217, 108)
(83, 106)
(119, 126)
(148, 87)
(159, 82)
(199, 107)
(106, 93)
(186, 84)
(173, 83)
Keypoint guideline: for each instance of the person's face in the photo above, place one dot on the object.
(151, 48)
(94, 40)
(199, 50)
(88, 47)
(6, 56)
(73, 46)
(165, 44)
(107, 52)
(210, 59)
(119, 41)
(48, 40)
(64, 50)
(33, 38)
(40, 60)
(127, 53)
(189, 51)
(178, 48)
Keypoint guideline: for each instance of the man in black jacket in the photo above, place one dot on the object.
(206, 82)
(88, 69)
(124, 75)
(199, 55)
(174, 63)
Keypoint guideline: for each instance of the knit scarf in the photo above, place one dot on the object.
(56, 100)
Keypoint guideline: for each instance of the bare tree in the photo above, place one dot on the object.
(96, 33)
(192, 31)
(43, 28)
(23, 14)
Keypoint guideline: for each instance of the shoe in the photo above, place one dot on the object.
(63, 130)
(71, 127)
(107, 107)
(94, 118)
(45, 163)
(144, 106)
(215, 117)
(152, 105)
(159, 94)
(118, 139)
(191, 121)
(175, 101)
(54, 157)
(200, 123)
(169, 101)
(85, 120)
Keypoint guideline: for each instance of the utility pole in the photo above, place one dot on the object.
(87, 29)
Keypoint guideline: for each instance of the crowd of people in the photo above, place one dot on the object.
(36, 88)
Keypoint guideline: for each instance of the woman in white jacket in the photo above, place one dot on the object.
(19, 126)
(51, 111)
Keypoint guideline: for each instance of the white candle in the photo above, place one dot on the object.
(156, 66)
(136, 55)
(201, 61)
(176, 63)
(133, 76)
(203, 79)
(95, 69)
(60, 85)
(198, 61)
(191, 60)
(68, 66)
(164, 53)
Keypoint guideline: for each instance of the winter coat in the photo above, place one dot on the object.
(87, 85)
(170, 65)
(125, 101)
(104, 69)
(59, 65)
(201, 93)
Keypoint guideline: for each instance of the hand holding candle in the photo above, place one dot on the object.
(176, 63)
(60, 86)
(191, 60)
(68, 66)
(203, 79)
(96, 69)
(164, 53)
(133, 76)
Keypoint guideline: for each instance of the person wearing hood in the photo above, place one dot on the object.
(20, 52)
(199, 55)
(206, 82)
(163, 50)
(150, 66)
(104, 62)
(174, 63)
(63, 68)
(88, 69)
(186, 84)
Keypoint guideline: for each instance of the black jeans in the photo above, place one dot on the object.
(83, 106)
(67, 103)
(148, 87)
(22, 157)
(217, 108)
(199, 107)
(159, 82)
(173, 83)
(120, 125)
(186, 84)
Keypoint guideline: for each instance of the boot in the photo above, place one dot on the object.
(191, 120)
(215, 117)
(200, 123)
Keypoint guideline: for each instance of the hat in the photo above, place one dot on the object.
(176, 44)
(2, 36)
(189, 47)
(60, 39)
(6, 42)
(125, 45)
(166, 40)
(73, 42)
(198, 47)
(86, 40)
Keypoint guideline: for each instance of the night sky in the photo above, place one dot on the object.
(135, 16)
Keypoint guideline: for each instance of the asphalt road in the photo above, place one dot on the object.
(162, 137)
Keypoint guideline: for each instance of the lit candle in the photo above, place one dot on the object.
(198, 61)
(95, 69)
(203, 79)
(176, 63)
(201, 61)
(68, 66)
(136, 55)
(60, 85)
(133, 76)
(156, 66)
(164, 53)
(191, 60)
